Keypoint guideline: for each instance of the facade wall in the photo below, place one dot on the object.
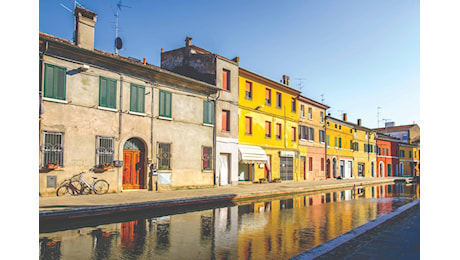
(409, 163)
(363, 155)
(338, 151)
(312, 149)
(284, 116)
(81, 120)
(392, 158)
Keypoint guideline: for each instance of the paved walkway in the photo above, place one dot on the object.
(396, 238)
(60, 205)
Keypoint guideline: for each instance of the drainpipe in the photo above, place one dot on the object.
(40, 94)
(120, 112)
(214, 137)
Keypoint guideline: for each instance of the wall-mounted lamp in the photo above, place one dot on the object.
(259, 107)
(85, 67)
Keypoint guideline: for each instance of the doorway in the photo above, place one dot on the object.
(133, 164)
(224, 169)
(303, 167)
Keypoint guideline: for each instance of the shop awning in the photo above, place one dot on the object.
(251, 154)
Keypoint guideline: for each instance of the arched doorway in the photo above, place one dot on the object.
(381, 169)
(334, 167)
(133, 164)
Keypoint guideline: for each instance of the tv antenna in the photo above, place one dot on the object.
(322, 98)
(378, 116)
(75, 3)
(118, 42)
(300, 84)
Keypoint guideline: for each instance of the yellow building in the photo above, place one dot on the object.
(339, 142)
(267, 134)
(364, 143)
(409, 160)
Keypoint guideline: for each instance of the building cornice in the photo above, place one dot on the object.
(271, 83)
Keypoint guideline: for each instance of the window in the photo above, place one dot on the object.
(321, 136)
(340, 142)
(302, 111)
(303, 132)
(53, 148)
(248, 126)
(278, 131)
(226, 79)
(104, 150)
(208, 112)
(410, 154)
(387, 151)
(321, 114)
(226, 120)
(207, 158)
(402, 154)
(293, 105)
(322, 164)
(327, 140)
(335, 141)
(311, 134)
(310, 113)
(164, 156)
(310, 164)
(268, 129)
(278, 100)
(293, 134)
(107, 92)
(55, 81)
(137, 98)
(165, 104)
(365, 148)
(415, 154)
(268, 96)
(248, 90)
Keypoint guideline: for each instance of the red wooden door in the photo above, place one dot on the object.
(133, 170)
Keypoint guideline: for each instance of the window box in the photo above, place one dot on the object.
(263, 180)
(277, 180)
(52, 166)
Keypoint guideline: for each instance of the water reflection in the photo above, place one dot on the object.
(270, 229)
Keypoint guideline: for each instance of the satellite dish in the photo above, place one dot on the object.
(118, 43)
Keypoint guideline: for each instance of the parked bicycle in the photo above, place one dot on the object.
(74, 186)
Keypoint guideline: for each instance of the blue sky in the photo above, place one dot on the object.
(358, 54)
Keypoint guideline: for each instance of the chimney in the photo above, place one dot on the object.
(286, 80)
(345, 117)
(236, 59)
(359, 122)
(84, 30)
(188, 41)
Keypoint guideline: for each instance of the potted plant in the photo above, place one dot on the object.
(277, 180)
(52, 166)
(262, 180)
(106, 166)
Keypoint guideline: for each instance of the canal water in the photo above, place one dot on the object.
(267, 229)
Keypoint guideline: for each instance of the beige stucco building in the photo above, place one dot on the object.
(96, 109)
(201, 64)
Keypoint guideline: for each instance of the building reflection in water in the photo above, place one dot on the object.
(271, 229)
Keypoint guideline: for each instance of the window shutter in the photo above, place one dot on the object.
(162, 103)
(351, 145)
(60, 91)
(112, 96)
(103, 92)
(168, 104)
(224, 80)
(205, 111)
(133, 101)
(49, 81)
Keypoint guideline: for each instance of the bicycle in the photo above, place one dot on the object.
(100, 186)
(69, 187)
(81, 186)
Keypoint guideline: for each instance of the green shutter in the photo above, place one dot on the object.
(162, 103)
(168, 104)
(55, 81)
(351, 144)
(133, 99)
(112, 94)
(102, 92)
(165, 103)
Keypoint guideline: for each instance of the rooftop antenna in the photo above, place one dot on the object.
(378, 116)
(300, 84)
(386, 120)
(118, 42)
(322, 98)
(75, 3)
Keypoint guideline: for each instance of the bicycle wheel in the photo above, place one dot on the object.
(101, 187)
(62, 191)
(85, 190)
(75, 188)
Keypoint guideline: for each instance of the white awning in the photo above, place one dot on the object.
(251, 154)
